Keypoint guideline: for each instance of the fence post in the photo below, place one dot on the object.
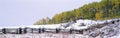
(57, 30)
(20, 31)
(39, 30)
(4, 30)
(25, 30)
(71, 31)
(43, 30)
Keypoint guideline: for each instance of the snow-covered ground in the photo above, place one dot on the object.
(76, 25)
(95, 29)
(110, 30)
(44, 35)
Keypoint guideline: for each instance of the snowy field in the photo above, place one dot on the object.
(44, 35)
(94, 29)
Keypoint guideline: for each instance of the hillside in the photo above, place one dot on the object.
(106, 9)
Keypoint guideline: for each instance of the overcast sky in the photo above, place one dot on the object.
(27, 12)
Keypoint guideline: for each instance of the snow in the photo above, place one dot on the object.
(44, 35)
(62, 25)
(54, 26)
(106, 31)
(87, 23)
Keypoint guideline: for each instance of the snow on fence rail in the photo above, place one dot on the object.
(79, 26)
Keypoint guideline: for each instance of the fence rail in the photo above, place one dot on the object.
(36, 30)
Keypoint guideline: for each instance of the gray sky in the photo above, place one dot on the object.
(26, 12)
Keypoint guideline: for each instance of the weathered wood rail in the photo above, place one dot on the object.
(37, 30)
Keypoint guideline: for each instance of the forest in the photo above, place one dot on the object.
(105, 9)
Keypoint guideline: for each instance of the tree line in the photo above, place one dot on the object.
(106, 9)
